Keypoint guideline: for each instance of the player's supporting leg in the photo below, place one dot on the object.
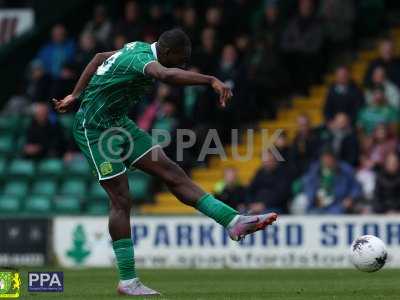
(157, 163)
(119, 227)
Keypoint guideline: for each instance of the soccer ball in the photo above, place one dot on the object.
(368, 253)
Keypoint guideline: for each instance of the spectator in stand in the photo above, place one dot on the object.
(305, 144)
(59, 51)
(190, 25)
(158, 21)
(392, 92)
(230, 190)
(130, 25)
(302, 41)
(330, 186)
(99, 27)
(338, 18)
(367, 178)
(119, 41)
(388, 61)
(269, 26)
(382, 144)
(387, 189)
(378, 112)
(283, 146)
(340, 137)
(87, 49)
(206, 56)
(344, 96)
(37, 88)
(213, 19)
(230, 73)
(45, 137)
(266, 78)
(269, 190)
(65, 83)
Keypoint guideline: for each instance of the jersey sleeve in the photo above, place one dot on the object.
(139, 61)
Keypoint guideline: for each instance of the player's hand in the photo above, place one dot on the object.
(223, 90)
(65, 104)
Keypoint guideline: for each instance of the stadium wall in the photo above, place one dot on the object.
(197, 242)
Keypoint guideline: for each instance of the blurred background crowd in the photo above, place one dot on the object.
(269, 52)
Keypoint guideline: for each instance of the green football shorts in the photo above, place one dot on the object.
(110, 152)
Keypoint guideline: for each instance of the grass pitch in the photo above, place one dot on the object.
(99, 284)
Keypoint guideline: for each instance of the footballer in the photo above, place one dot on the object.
(110, 83)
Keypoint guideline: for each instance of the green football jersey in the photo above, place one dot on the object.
(118, 83)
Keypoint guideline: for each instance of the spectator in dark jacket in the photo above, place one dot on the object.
(44, 137)
(37, 88)
(99, 26)
(388, 61)
(339, 136)
(302, 41)
(230, 190)
(304, 148)
(330, 186)
(131, 24)
(269, 190)
(343, 96)
(387, 188)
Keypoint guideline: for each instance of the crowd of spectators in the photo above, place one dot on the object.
(348, 164)
(266, 51)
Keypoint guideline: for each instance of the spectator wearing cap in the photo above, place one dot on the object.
(378, 112)
(330, 185)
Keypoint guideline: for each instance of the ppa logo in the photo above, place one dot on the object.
(45, 281)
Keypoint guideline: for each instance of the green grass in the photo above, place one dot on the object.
(99, 284)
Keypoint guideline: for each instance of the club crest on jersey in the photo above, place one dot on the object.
(106, 168)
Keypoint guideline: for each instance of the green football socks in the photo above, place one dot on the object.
(123, 250)
(216, 209)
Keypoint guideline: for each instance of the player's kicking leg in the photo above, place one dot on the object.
(157, 163)
(119, 227)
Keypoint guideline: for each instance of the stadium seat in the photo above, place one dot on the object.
(2, 166)
(38, 204)
(9, 204)
(6, 144)
(50, 167)
(97, 192)
(67, 205)
(46, 187)
(140, 185)
(21, 168)
(18, 188)
(97, 207)
(78, 168)
(73, 187)
(9, 124)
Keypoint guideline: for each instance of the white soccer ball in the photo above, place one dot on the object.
(368, 253)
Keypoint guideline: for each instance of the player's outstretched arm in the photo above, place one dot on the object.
(182, 77)
(68, 102)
